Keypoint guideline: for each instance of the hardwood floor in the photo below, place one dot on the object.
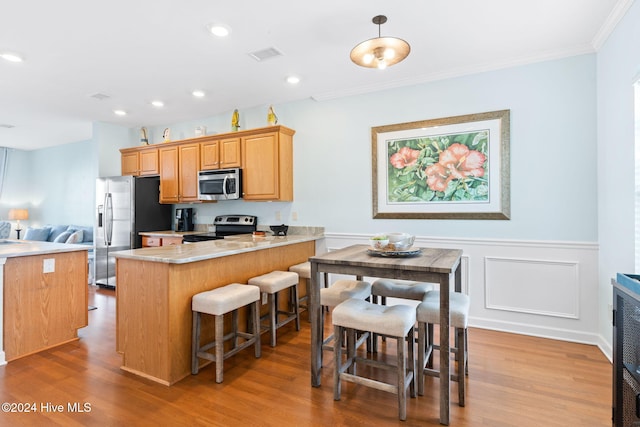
(513, 380)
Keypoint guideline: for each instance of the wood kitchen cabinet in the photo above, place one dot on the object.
(267, 162)
(151, 241)
(139, 161)
(220, 153)
(179, 164)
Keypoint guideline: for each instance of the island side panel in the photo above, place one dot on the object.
(42, 310)
(161, 336)
(142, 317)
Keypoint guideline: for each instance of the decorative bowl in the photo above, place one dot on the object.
(378, 242)
(404, 244)
(279, 230)
(400, 241)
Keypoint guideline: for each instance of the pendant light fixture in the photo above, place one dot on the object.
(380, 52)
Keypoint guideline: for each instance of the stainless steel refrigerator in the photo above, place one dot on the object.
(125, 206)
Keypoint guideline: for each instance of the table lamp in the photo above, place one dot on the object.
(18, 214)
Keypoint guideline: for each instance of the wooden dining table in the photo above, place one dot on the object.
(433, 265)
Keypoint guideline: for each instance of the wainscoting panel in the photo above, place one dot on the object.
(549, 288)
(542, 288)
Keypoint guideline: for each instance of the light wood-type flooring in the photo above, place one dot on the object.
(513, 380)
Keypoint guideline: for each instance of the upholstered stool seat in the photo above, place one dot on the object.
(397, 322)
(304, 272)
(427, 315)
(343, 290)
(272, 283)
(218, 302)
(391, 288)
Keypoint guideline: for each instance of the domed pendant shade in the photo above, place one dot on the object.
(380, 52)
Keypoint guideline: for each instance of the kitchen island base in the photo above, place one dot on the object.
(154, 318)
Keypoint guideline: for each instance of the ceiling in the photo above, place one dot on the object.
(138, 51)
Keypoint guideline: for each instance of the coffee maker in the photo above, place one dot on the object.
(184, 219)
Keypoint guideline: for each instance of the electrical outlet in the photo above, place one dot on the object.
(294, 216)
(264, 298)
(49, 265)
(278, 216)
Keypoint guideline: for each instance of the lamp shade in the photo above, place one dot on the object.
(18, 214)
(380, 52)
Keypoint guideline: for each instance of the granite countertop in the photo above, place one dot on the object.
(199, 251)
(10, 248)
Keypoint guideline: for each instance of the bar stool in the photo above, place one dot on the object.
(337, 293)
(272, 283)
(397, 322)
(218, 302)
(428, 314)
(304, 272)
(390, 288)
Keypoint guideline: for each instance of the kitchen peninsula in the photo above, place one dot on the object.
(43, 295)
(155, 286)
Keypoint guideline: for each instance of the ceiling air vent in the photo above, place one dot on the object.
(6, 126)
(268, 53)
(100, 96)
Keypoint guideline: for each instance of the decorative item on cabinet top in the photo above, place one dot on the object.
(144, 140)
(166, 135)
(235, 120)
(272, 119)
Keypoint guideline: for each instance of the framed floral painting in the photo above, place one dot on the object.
(448, 168)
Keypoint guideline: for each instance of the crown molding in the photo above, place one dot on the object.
(457, 72)
(617, 13)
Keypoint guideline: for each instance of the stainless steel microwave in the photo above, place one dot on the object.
(221, 184)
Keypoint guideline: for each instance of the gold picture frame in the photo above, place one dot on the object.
(446, 168)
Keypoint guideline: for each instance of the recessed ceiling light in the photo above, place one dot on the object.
(119, 112)
(198, 93)
(293, 80)
(11, 57)
(157, 103)
(219, 30)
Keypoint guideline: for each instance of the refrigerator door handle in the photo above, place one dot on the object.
(100, 215)
(108, 212)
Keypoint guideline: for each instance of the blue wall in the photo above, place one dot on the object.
(56, 184)
(618, 67)
(553, 152)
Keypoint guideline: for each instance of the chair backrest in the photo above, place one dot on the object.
(5, 229)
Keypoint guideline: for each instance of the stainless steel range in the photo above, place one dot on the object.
(226, 225)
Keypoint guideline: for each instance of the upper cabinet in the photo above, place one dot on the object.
(179, 172)
(264, 154)
(267, 162)
(216, 153)
(140, 161)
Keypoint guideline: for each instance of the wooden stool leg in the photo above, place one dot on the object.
(296, 306)
(422, 348)
(273, 317)
(430, 342)
(337, 361)
(256, 328)
(402, 372)
(411, 362)
(195, 342)
(234, 326)
(219, 337)
(461, 365)
(351, 350)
